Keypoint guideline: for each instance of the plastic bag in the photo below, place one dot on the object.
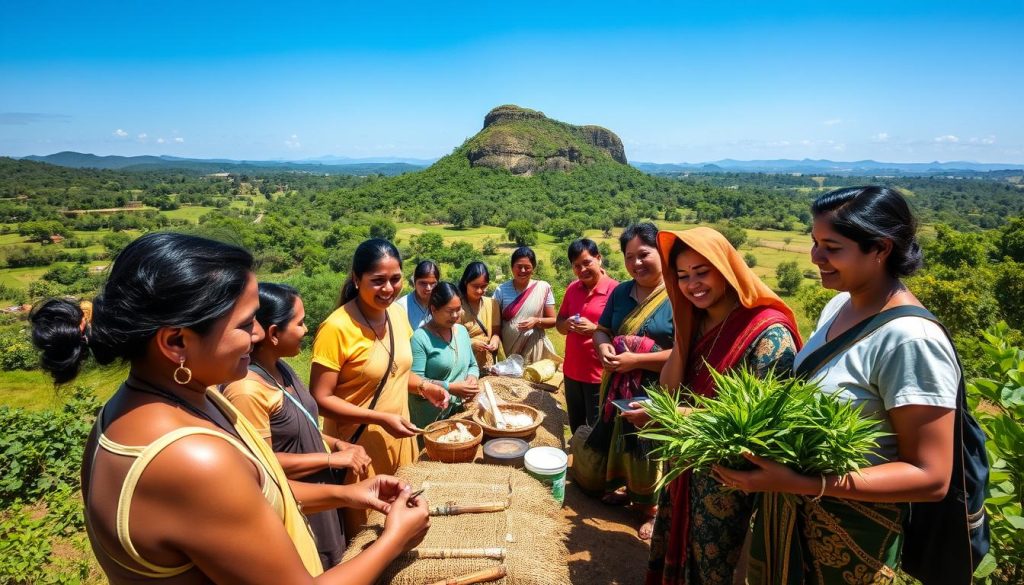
(513, 366)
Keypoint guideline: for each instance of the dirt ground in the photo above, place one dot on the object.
(603, 547)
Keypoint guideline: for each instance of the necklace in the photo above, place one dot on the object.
(454, 343)
(154, 391)
(181, 402)
(263, 373)
(721, 327)
(377, 340)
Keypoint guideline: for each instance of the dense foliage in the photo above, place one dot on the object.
(40, 502)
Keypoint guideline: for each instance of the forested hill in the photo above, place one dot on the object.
(525, 166)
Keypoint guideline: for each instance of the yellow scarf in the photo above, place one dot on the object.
(636, 318)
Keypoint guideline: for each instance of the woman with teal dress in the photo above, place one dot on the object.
(443, 352)
(633, 340)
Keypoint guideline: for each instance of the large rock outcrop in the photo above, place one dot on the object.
(526, 142)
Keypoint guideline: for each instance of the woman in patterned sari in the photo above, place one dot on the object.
(725, 317)
(527, 309)
(633, 340)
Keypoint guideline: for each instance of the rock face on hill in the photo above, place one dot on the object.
(526, 142)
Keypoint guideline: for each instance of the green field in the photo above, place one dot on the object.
(191, 213)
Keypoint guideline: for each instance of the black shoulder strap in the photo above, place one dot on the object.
(340, 476)
(823, 354)
(383, 380)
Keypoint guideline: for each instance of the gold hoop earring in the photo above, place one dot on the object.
(183, 371)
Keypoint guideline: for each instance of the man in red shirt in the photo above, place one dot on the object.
(581, 308)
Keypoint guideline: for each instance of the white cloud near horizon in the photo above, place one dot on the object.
(120, 133)
(947, 139)
(833, 122)
(293, 142)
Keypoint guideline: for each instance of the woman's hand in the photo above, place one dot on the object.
(468, 388)
(527, 323)
(584, 327)
(623, 362)
(377, 493)
(480, 345)
(436, 395)
(609, 359)
(408, 520)
(351, 457)
(397, 427)
(637, 417)
(768, 476)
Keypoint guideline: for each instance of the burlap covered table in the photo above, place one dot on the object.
(531, 530)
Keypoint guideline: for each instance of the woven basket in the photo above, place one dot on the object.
(522, 432)
(464, 452)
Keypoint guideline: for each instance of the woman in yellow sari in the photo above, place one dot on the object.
(634, 338)
(480, 315)
(362, 368)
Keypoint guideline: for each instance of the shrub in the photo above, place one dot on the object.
(16, 352)
(750, 259)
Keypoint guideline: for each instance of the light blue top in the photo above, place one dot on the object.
(418, 314)
(907, 361)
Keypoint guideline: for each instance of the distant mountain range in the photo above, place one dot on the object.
(860, 167)
(339, 165)
(80, 160)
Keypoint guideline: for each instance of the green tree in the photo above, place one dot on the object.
(383, 228)
(521, 233)
(737, 236)
(750, 259)
(814, 297)
(1011, 239)
(114, 242)
(789, 277)
(460, 253)
(427, 246)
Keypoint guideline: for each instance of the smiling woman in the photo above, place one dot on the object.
(361, 374)
(168, 452)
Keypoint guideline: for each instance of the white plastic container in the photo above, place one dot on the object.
(548, 465)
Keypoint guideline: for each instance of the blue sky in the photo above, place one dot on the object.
(894, 81)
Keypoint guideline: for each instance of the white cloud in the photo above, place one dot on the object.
(880, 137)
(986, 140)
(833, 122)
(160, 141)
(120, 133)
(948, 139)
(179, 140)
(293, 142)
(143, 136)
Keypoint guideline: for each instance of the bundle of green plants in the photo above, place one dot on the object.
(788, 420)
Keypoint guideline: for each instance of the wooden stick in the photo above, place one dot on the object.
(457, 553)
(453, 509)
(499, 419)
(484, 576)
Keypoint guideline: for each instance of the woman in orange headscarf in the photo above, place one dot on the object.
(724, 317)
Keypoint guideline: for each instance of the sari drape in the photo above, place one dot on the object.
(533, 344)
(627, 463)
(722, 348)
